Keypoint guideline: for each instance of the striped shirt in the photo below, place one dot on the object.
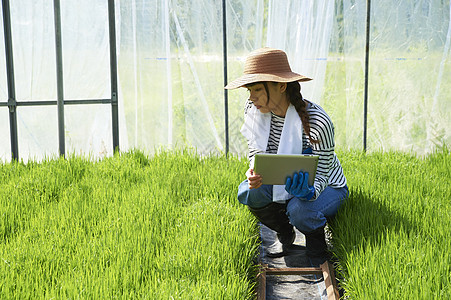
(329, 171)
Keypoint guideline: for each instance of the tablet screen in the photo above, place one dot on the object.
(275, 168)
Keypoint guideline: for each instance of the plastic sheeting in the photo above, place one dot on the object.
(171, 71)
(300, 287)
(409, 102)
(86, 75)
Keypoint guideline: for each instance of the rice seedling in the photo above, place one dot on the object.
(392, 236)
(169, 227)
(129, 226)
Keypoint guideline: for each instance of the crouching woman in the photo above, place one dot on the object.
(277, 119)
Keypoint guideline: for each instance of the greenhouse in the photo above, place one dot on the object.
(113, 115)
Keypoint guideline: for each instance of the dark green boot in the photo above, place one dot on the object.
(274, 217)
(315, 242)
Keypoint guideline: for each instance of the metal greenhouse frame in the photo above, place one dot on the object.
(61, 101)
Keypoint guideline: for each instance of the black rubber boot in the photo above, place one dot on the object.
(315, 242)
(274, 217)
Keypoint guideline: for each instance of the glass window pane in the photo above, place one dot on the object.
(33, 49)
(37, 132)
(3, 82)
(5, 145)
(85, 39)
(88, 130)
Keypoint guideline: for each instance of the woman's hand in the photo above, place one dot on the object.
(254, 180)
(298, 186)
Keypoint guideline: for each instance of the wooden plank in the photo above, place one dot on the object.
(329, 281)
(325, 270)
(261, 281)
(293, 271)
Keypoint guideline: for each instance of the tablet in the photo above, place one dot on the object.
(275, 168)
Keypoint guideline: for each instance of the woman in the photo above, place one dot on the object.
(278, 120)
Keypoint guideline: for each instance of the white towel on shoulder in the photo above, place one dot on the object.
(256, 130)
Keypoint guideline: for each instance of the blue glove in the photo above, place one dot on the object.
(298, 186)
(308, 151)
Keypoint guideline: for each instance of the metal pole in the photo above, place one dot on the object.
(10, 79)
(367, 58)
(113, 75)
(226, 98)
(59, 77)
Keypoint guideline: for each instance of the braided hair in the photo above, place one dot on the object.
(294, 95)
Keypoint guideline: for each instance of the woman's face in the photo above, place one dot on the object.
(277, 103)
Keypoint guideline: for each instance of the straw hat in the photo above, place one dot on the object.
(266, 64)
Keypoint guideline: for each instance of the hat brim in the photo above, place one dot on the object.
(252, 78)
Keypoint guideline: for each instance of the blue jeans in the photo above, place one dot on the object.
(306, 216)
